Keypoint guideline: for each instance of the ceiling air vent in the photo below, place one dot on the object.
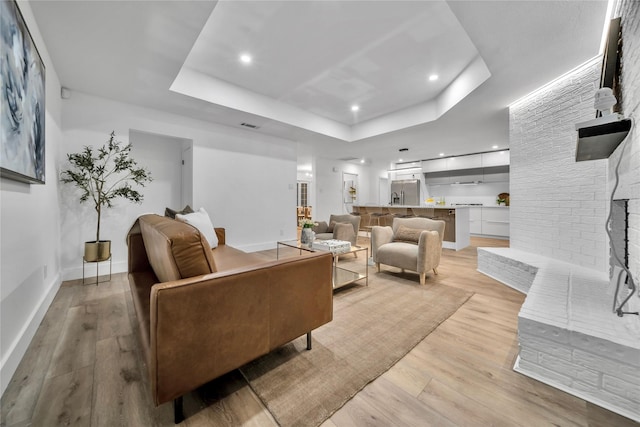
(348, 159)
(249, 125)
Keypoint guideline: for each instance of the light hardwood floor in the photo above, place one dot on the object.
(82, 368)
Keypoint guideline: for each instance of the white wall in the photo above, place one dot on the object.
(240, 177)
(30, 235)
(329, 198)
(558, 205)
(162, 155)
(252, 196)
(629, 186)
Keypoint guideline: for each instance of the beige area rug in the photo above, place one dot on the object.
(373, 327)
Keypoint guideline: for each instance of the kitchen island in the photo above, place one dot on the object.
(456, 218)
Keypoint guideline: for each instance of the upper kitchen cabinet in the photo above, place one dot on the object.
(495, 158)
(435, 165)
(471, 161)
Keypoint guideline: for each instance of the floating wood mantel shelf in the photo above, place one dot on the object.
(601, 140)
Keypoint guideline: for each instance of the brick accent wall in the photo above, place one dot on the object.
(558, 205)
(629, 186)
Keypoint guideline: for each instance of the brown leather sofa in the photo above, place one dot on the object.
(204, 312)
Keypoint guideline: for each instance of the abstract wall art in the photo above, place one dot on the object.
(22, 99)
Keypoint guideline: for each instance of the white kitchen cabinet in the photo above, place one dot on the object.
(495, 221)
(495, 158)
(475, 220)
(495, 176)
(435, 165)
(471, 161)
(439, 180)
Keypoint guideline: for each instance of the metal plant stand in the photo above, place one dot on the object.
(97, 263)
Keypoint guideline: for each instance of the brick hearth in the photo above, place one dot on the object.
(569, 337)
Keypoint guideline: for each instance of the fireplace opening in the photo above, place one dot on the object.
(619, 234)
(618, 231)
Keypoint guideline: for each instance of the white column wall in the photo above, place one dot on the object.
(558, 205)
(629, 185)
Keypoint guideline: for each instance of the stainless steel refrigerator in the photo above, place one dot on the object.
(405, 192)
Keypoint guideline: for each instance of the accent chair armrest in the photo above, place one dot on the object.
(379, 237)
(429, 251)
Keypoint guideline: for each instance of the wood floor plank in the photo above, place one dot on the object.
(400, 406)
(481, 382)
(460, 409)
(65, 400)
(113, 316)
(19, 400)
(227, 400)
(120, 395)
(76, 347)
(360, 412)
(409, 375)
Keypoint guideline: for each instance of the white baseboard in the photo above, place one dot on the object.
(18, 348)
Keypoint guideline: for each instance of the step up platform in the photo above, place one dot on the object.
(569, 336)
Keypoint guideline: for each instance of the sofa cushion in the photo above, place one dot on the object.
(176, 250)
(202, 222)
(331, 226)
(171, 213)
(407, 234)
(229, 258)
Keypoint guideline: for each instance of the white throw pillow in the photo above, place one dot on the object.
(202, 222)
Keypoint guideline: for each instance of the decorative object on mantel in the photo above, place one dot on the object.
(503, 199)
(103, 175)
(307, 235)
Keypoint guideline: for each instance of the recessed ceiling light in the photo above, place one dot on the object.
(362, 161)
(433, 77)
(399, 160)
(494, 147)
(245, 58)
(355, 108)
(441, 154)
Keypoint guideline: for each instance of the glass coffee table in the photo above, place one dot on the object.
(342, 275)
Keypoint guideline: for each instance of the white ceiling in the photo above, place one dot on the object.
(313, 60)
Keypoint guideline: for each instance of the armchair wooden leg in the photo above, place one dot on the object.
(423, 278)
(378, 267)
(435, 271)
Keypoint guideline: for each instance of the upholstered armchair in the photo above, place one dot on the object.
(410, 244)
(340, 227)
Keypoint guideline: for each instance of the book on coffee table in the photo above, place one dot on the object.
(332, 245)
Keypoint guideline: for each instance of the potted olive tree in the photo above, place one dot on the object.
(103, 175)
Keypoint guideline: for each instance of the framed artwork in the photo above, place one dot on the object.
(22, 99)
